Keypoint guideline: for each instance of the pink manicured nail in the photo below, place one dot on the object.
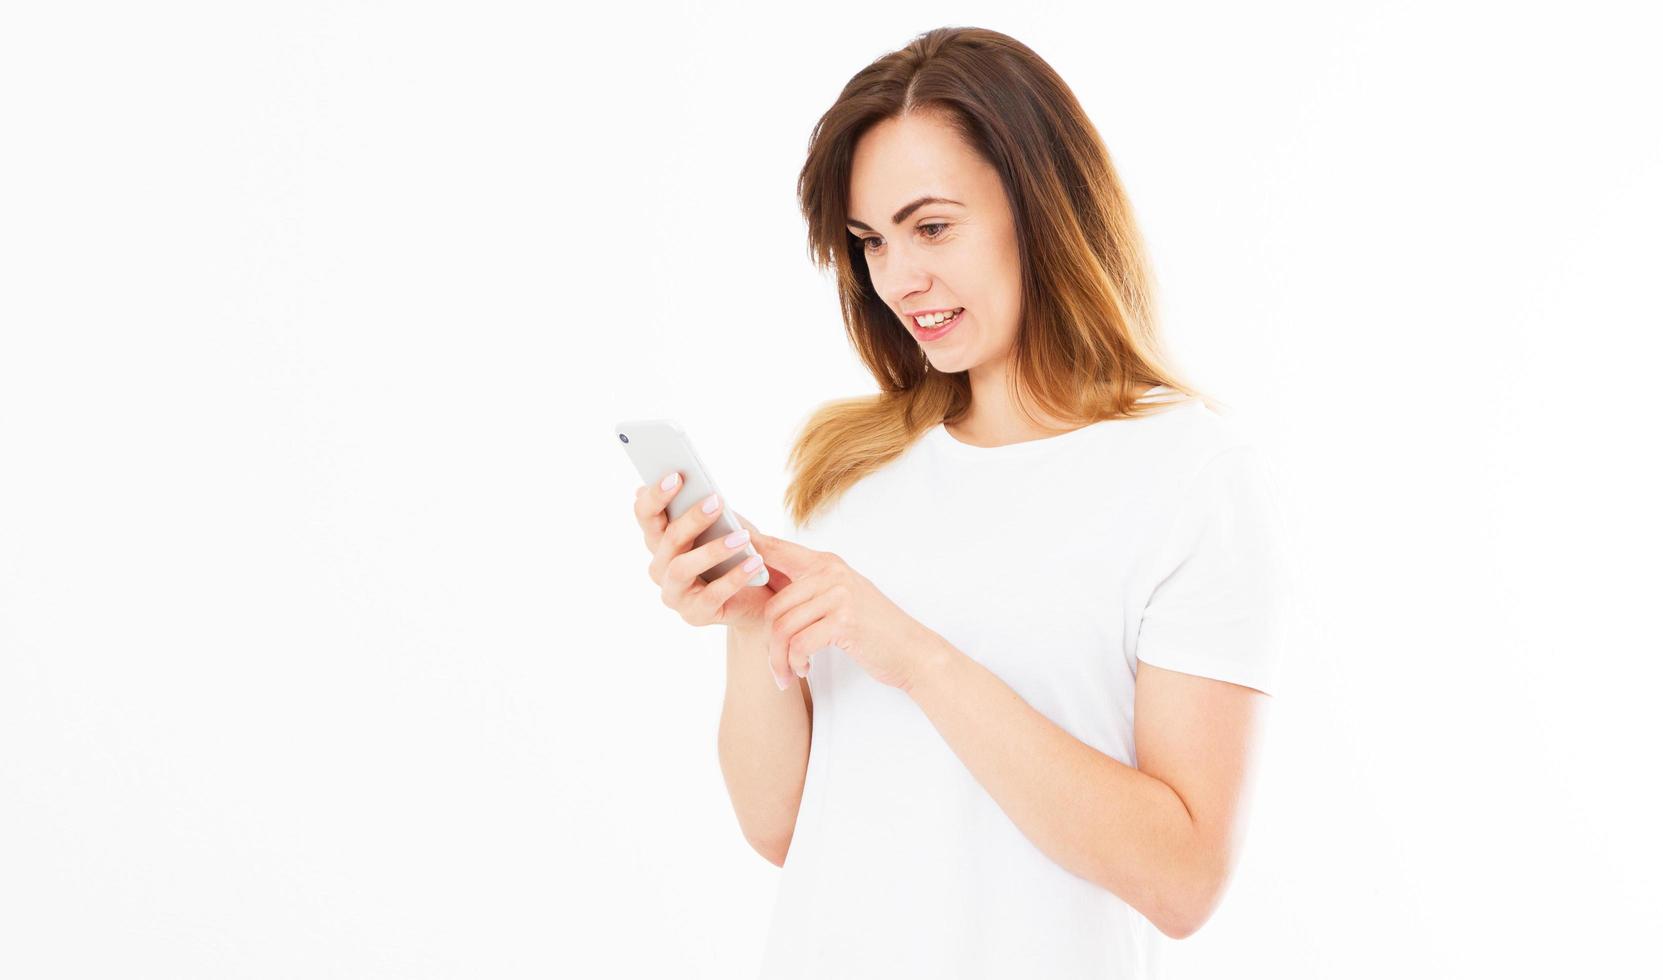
(779, 680)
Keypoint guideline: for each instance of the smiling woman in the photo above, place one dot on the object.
(1034, 583)
(960, 173)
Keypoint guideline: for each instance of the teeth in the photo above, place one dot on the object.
(936, 319)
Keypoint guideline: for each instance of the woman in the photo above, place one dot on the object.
(1034, 585)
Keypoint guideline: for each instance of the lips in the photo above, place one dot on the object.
(932, 333)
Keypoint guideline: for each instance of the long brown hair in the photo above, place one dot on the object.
(1088, 340)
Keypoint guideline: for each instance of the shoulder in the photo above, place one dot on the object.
(1200, 431)
(1187, 438)
(1217, 495)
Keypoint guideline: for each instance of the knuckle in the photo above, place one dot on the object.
(680, 568)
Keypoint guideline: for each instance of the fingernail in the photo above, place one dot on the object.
(669, 482)
(780, 681)
(710, 504)
(737, 538)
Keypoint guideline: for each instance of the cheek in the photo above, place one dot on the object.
(885, 284)
(981, 279)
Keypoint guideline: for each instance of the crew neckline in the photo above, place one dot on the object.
(938, 436)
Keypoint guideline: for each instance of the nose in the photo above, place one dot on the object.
(907, 279)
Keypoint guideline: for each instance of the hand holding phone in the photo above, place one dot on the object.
(699, 574)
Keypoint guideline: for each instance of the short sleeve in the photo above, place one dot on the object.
(1218, 606)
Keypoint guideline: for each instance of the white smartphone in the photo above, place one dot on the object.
(657, 446)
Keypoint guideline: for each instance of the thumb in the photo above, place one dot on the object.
(778, 578)
(787, 556)
(747, 525)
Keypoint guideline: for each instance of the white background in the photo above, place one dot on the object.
(326, 643)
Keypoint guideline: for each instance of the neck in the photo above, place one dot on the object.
(994, 418)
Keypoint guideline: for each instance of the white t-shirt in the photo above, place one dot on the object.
(1058, 564)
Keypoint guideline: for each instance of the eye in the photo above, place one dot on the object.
(866, 243)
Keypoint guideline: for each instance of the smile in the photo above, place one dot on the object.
(940, 327)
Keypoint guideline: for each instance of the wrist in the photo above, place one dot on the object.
(748, 638)
(935, 658)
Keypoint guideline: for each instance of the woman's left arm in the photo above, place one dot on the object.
(1163, 836)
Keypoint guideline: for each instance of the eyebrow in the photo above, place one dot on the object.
(901, 215)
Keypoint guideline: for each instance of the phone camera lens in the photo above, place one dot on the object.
(622, 437)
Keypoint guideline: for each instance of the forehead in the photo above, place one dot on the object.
(907, 157)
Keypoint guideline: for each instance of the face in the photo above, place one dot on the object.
(937, 255)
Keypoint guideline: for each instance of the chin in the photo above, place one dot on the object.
(950, 359)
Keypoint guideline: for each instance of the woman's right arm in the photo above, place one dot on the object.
(762, 743)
